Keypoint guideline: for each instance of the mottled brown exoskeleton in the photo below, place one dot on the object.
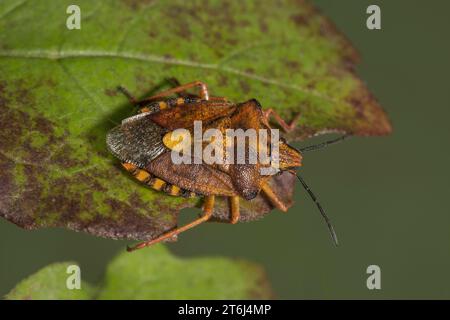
(143, 145)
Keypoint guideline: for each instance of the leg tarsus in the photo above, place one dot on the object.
(273, 198)
(207, 213)
(127, 94)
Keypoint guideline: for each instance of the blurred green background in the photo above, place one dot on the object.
(387, 196)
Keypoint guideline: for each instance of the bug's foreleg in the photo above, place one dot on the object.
(208, 208)
(286, 127)
(273, 198)
(235, 213)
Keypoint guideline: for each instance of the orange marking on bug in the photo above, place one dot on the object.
(145, 109)
(162, 105)
(174, 190)
(158, 184)
(175, 142)
(180, 101)
(142, 175)
(129, 166)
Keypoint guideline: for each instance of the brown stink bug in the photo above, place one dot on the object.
(144, 145)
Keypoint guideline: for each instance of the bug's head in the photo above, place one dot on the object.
(290, 158)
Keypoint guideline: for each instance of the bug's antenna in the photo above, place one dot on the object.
(324, 144)
(322, 212)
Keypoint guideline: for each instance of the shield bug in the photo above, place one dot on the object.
(146, 142)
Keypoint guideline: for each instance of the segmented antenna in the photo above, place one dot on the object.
(322, 212)
(324, 144)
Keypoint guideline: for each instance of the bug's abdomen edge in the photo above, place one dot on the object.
(156, 183)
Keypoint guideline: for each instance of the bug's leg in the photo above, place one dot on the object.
(172, 81)
(204, 94)
(135, 101)
(127, 94)
(273, 198)
(235, 214)
(207, 213)
(286, 127)
(175, 83)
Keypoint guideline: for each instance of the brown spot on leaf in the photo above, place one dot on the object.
(137, 4)
(293, 65)
(44, 126)
(3, 100)
(111, 92)
(250, 70)
(263, 26)
(371, 118)
(152, 33)
(10, 132)
(299, 19)
(130, 224)
(223, 80)
(245, 86)
(262, 288)
(64, 158)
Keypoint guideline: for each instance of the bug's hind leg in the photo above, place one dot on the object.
(134, 101)
(175, 83)
(127, 94)
(208, 208)
(286, 127)
(143, 105)
(203, 91)
(273, 198)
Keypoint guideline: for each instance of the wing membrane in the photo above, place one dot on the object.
(138, 140)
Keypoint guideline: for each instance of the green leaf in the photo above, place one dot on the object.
(154, 274)
(49, 283)
(58, 97)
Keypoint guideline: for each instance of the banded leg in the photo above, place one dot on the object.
(286, 127)
(208, 208)
(204, 94)
(160, 104)
(273, 198)
(127, 94)
(136, 102)
(172, 81)
(172, 102)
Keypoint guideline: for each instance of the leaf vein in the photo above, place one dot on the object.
(55, 55)
(12, 8)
